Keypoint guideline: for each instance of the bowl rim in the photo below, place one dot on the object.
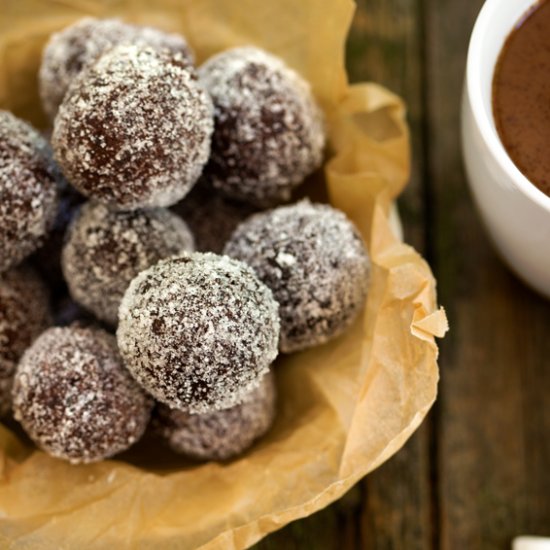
(485, 119)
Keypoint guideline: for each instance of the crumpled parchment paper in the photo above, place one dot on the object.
(344, 407)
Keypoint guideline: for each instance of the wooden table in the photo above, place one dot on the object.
(477, 473)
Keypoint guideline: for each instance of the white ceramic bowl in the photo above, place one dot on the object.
(515, 212)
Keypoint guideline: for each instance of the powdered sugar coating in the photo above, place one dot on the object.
(105, 250)
(134, 129)
(269, 131)
(28, 192)
(315, 262)
(211, 216)
(47, 259)
(198, 331)
(76, 47)
(24, 314)
(219, 435)
(75, 399)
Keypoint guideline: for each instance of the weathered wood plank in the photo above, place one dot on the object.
(397, 510)
(493, 445)
(334, 528)
(386, 46)
(391, 508)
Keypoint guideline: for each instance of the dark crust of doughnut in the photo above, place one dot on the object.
(28, 190)
(198, 331)
(316, 264)
(24, 314)
(219, 435)
(268, 132)
(105, 250)
(74, 48)
(134, 129)
(74, 397)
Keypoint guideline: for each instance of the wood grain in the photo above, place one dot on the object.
(334, 528)
(386, 46)
(392, 507)
(476, 474)
(492, 429)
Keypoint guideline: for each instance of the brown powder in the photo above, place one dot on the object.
(521, 96)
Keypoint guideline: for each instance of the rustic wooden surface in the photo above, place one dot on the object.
(478, 471)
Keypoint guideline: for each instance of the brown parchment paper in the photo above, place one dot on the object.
(344, 407)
